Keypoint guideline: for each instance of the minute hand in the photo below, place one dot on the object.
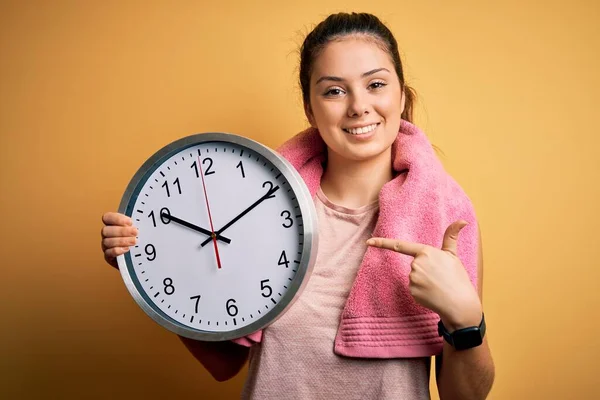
(268, 195)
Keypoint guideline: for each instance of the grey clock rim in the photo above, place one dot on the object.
(310, 231)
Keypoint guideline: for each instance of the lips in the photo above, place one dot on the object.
(361, 130)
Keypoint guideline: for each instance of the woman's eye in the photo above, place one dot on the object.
(378, 85)
(333, 92)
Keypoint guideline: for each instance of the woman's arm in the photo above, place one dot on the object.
(466, 374)
(439, 281)
(222, 359)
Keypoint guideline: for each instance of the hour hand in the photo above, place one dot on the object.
(170, 217)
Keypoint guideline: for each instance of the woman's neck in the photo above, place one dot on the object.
(354, 184)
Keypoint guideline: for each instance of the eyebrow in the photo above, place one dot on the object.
(338, 79)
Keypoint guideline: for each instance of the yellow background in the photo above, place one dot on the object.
(90, 89)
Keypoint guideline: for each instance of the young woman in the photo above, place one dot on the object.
(360, 112)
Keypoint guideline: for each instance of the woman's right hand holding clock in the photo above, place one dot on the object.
(118, 235)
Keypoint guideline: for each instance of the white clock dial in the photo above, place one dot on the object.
(225, 285)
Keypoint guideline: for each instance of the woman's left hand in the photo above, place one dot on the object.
(438, 279)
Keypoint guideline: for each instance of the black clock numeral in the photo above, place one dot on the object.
(241, 166)
(232, 310)
(169, 288)
(288, 216)
(164, 220)
(283, 259)
(263, 287)
(150, 251)
(207, 171)
(270, 184)
(271, 191)
(151, 215)
(197, 301)
(166, 186)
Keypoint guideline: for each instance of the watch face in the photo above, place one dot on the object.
(467, 338)
(239, 279)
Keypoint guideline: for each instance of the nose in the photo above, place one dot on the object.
(357, 106)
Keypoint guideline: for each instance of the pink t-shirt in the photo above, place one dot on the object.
(295, 359)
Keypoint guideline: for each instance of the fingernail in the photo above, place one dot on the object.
(371, 241)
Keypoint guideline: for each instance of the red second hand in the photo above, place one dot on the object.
(212, 229)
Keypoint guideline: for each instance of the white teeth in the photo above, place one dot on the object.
(364, 129)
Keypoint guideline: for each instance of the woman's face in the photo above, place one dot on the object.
(355, 99)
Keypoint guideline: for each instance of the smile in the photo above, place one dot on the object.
(361, 130)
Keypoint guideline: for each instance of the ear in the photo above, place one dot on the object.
(309, 115)
(402, 101)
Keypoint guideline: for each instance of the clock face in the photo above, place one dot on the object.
(239, 279)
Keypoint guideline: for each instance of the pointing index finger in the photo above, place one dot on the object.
(399, 246)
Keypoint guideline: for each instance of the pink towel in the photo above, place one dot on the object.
(381, 318)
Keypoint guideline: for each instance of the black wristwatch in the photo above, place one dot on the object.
(465, 338)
